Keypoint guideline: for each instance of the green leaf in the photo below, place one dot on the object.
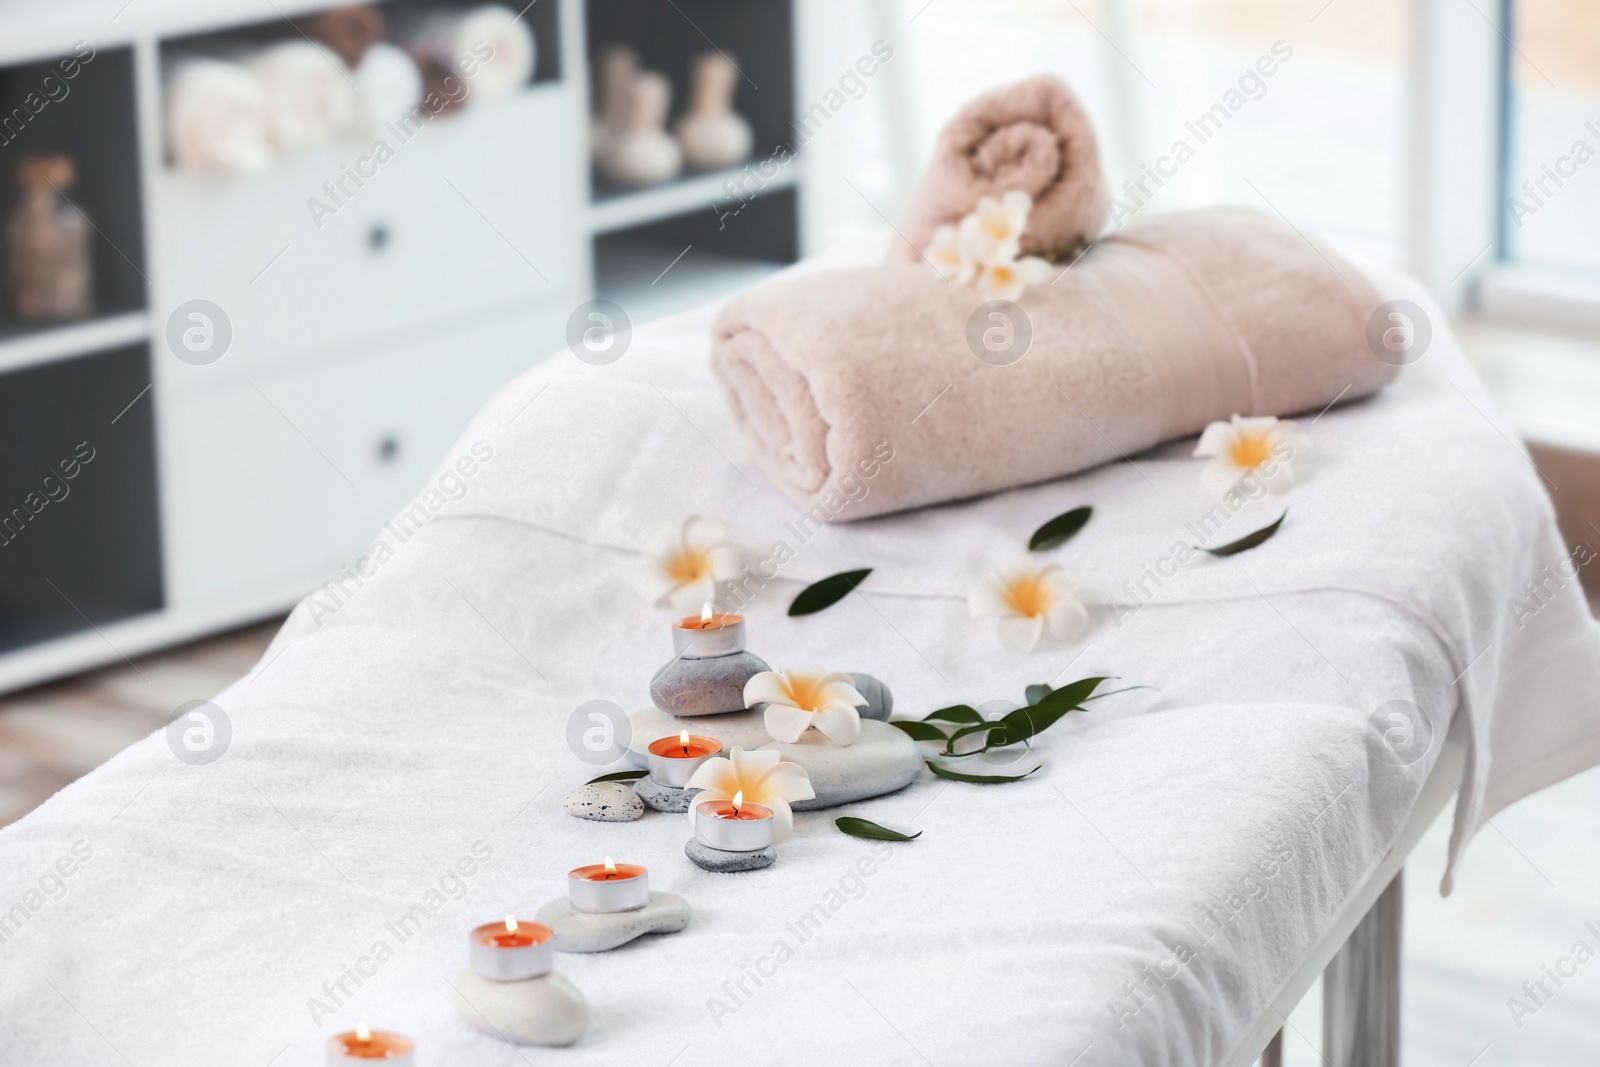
(813, 598)
(863, 828)
(618, 776)
(955, 713)
(1025, 722)
(950, 745)
(918, 731)
(980, 779)
(1073, 693)
(1250, 540)
(1036, 693)
(1059, 530)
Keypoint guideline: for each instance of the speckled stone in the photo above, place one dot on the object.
(580, 931)
(547, 1010)
(710, 686)
(663, 797)
(880, 761)
(880, 702)
(721, 862)
(604, 802)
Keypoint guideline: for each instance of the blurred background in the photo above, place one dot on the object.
(264, 259)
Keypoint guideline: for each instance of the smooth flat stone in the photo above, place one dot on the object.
(547, 1010)
(663, 797)
(880, 702)
(709, 686)
(742, 729)
(604, 802)
(720, 862)
(882, 760)
(578, 931)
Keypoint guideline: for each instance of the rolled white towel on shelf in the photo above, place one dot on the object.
(388, 82)
(490, 47)
(311, 97)
(216, 117)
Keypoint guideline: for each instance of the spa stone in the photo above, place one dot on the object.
(709, 686)
(604, 802)
(880, 702)
(547, 1010)
(720, 862)
(663, 797)
(579, 931)
(882, 760)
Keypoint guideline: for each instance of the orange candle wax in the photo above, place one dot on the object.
(608, 872)
(709, 622)
(511, 951)
(681, 747)
(512, 934)
(364, 1044)
(745, 811)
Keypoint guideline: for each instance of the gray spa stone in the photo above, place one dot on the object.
(719, 861)
(882, 760)
(705, 686)
(547, 1010)
(880, 702)
(604, 802)
(663, 797)
(578, 931)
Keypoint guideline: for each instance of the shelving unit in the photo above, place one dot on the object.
(225, 492)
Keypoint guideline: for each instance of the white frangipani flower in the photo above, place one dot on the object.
(993, 232)
(1006, 280)
(1029, 600)
(686, 562)
(799, 700)
(762, 776)
(1265, 447)
(950, 257)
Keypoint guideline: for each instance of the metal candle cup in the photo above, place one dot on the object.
(722, 825)
(606, 887)
(360, 1045)
(706, 635)
(709, 668)
(511, 951)
(673, 760)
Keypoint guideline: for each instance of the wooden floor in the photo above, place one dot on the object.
(53, 734)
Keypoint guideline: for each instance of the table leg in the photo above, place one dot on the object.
(1272, 1055)
(1361, 989)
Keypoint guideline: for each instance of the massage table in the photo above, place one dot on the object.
(1191, 856)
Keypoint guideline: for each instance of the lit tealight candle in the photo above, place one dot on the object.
(673, 760)
(608, 886)
(709, 634)
(511, 951)
(733, 825)
(365, 1044)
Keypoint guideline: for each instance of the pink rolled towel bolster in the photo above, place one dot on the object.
(1032, 136)
(1171, 324)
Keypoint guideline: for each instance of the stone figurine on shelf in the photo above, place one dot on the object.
(641, 152)
(619, 66)
(47, 244)
(713, 134)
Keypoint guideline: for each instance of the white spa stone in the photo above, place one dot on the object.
(882, 760)
(534, 1011)
(580, 931)
(604, 802)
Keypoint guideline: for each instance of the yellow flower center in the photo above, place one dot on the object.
(805, 692)
(1028, 596)
(1250, 451)
(689, 565)
(1003, 274)
(999, 229)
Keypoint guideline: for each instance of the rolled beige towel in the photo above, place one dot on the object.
(216, 117)
(1032, 136)
(491, 47)
(1158, 331)
(311, 98)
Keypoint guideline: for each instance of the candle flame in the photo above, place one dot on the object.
(705, 614)
(362, 1032)
(511, 924)
(738, 799)
(683, 739)
(611, 866)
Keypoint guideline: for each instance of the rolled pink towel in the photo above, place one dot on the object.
(1032, 136)
(1169, 325)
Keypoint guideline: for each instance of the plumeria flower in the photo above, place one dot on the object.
(799, 700)
(1030, 600)
(1006, 280)
(950, 257)
(993, 232)
(687, 562)
(1264, 447)
(762, 776)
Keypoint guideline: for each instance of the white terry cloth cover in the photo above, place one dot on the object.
(398, 759)
(216, 117)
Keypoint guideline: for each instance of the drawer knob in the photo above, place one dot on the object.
(377, 237)
(388, 449)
